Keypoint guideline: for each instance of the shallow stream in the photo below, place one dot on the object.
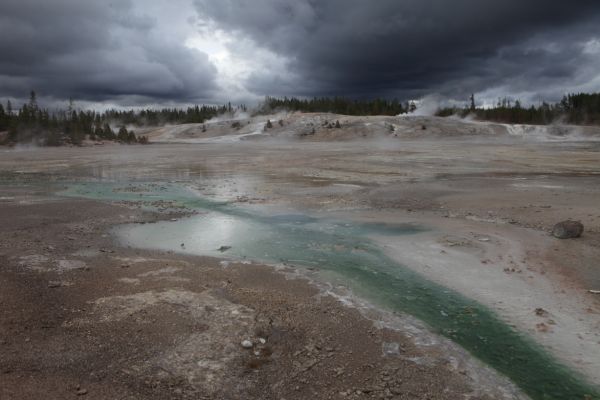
(225, 230)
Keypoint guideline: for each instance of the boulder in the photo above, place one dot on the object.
(567, 230)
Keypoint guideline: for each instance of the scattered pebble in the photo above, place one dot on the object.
(540, 312)
(246, 344)
(542, 327)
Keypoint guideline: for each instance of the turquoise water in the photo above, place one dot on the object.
(344, 248)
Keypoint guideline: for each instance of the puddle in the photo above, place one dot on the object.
(224, 230)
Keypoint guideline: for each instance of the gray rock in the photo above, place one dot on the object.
(567, 230)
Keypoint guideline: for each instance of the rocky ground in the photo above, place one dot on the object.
(83, 316)
(333, 127)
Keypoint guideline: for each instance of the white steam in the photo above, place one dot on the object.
(427, 106)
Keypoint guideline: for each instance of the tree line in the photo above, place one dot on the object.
(337, 105)
(33, 124)
(577, 109)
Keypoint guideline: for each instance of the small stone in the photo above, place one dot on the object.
(246, 344)
(262, 340)
(540, 312)
(542, 327)
(54, 284)
(82, 392)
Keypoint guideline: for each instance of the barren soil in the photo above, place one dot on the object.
(82, 315)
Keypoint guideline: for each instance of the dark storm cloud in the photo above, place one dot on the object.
(413, 47)
(132, 51)
(96, 51)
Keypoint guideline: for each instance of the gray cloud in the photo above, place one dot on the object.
(132, 52)
(96, 51)
(411, 47)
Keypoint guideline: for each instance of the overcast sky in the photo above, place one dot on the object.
(150, 52)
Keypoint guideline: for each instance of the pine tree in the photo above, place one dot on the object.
(33, 101)
(131, 137)
(108, 132)
(123, 135)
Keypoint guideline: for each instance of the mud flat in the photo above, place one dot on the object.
(122, 320)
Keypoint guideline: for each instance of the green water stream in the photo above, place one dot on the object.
(344, 248)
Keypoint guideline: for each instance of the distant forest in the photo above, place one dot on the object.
(33, 124)
(338, 105)
(577, 109)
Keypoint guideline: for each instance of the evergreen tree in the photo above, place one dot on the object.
(108, 133)
(123, 135)
(131, 137)
(3, 119)
(33, 101)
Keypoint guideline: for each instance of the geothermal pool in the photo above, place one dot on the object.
(342, 248)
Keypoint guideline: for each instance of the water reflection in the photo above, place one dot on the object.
(202, 235)
(345, 249)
